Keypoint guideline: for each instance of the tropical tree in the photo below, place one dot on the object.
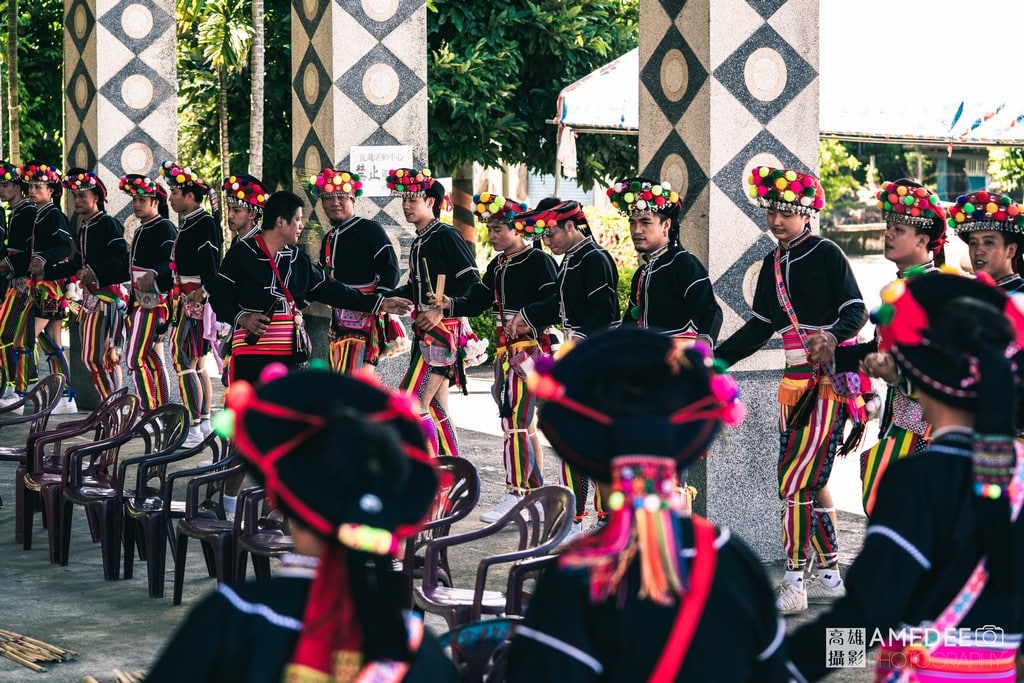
(225, 37)
(34, 64)
(256, 91)
(12, 82)
(494, 74)
(837, 169)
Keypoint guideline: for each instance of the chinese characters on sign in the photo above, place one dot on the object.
(373, 164)
(845, 648)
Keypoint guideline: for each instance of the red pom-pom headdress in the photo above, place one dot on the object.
(786, 190)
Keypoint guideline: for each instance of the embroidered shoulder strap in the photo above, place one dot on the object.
(839, 385)
(277, 273)
(702, 574)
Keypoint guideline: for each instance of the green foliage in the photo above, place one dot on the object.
(495, 71)
(197, 96)
(41, 86)
(837, 179)
(1006, 166)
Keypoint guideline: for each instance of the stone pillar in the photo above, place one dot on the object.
(725, 86)
(359, 79)
(121, 100)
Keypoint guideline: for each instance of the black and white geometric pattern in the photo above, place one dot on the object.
(706, 121)
(120, 89)
(359, 79)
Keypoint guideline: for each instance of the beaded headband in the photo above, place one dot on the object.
(786, 190)
(8, 173)
(487, 205)
(178, 175)
(635, 196)
(909, 205)
(246, 192)
(533, 224)
(334, 182)
(39, 173)
(141, 186)
(408, 182)
(985, 211)
(84, 180)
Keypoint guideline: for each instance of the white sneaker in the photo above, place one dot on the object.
(194, 438)
(204, 426)
(818, 592)
(509, 501)
(66, 406)
(10, 400)
(790, 598)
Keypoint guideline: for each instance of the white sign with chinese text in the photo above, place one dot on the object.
(373, 163)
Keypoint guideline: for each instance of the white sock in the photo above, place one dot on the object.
(229, 504)
(795, 577)
(830, 577)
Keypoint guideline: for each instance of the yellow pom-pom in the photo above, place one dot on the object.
(901, 190)
(893, 291)
(312, 180)
(788, 196)
(763, 171)
(780, 183)
(950, 269)
(991, 207)
(426, 172)
(674, 197)
(790, 176)
(240, 194)
(616, 500)
(752, 191)
(180, 177)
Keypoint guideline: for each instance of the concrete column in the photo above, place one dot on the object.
(725, 86)
(359, 79)
(121, 99)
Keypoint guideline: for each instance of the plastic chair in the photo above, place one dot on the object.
(263, 533)
(91, 478)
(204, 520)
(43, 398)
(516, 595)
(150, 510)
(477, 648)
(69, 429)
(542, 517)
(456, 497)
(43, 476)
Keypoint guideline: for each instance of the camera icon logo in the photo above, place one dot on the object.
(989, 635)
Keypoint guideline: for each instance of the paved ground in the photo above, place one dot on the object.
(114, 625)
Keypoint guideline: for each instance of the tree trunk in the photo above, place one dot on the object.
(222, 109)
(12, 81)
(225, 154)
(256, 93)
(462, 203)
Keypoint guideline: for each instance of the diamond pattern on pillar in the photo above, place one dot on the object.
(313, 19)
(673, 74)
(137, 90)
(765, 73)
(135, 139)
(81, 91)
(380, 83)
(79, 23)
(766, 8)
(732, 177)
(114, 19)
(673, 7)
(80, 151)
(312, 144)
(380, 24)
(311, 83)
(675, 163)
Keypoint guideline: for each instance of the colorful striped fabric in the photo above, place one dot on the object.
(278, 340)
(896, 444)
